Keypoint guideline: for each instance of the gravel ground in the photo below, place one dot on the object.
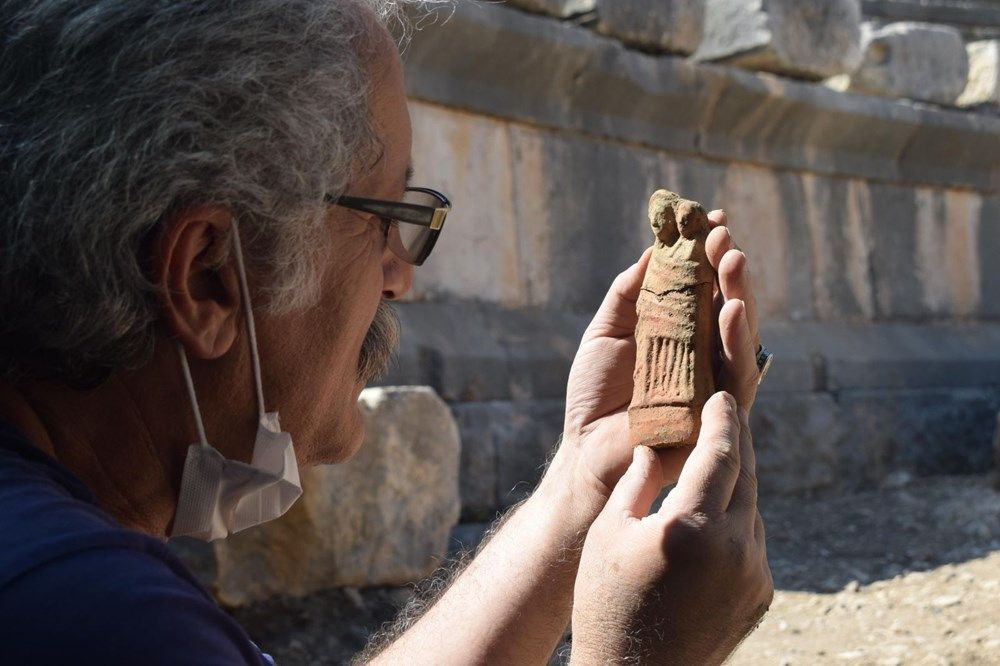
(907, 574)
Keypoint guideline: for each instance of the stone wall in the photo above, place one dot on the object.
(872, 225)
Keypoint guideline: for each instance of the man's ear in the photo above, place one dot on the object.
(196, 274)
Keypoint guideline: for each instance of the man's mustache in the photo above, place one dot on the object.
(379, 344)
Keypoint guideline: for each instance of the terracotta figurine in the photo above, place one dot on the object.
(676, 332)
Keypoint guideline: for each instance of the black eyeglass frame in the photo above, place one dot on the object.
(432, 217)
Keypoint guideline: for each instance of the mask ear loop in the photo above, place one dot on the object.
(202, 438)
(245, 291)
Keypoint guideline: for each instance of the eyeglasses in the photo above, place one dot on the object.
(412, 225)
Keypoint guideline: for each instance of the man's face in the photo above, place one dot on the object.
(316, 362)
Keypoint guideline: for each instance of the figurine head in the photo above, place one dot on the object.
(672, 217)
(692, 220)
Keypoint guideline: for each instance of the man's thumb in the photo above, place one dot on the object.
(639, 486)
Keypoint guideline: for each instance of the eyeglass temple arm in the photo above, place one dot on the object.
(404, 212)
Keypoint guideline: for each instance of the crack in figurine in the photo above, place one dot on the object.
(675, 335)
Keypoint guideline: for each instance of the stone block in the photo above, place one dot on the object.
(798, 440)
(674, 26)
(382, 518)
(839, 217)
(468, 157)
(505, 446)
(894, 273)
(508, 64)
(996, 453)
(525, 448)
(983, 86)
(972, 17)
(557, 8)
(582, 211)
(810, 40)
(926, 432)
(989, 267)
(477, 476)
(918, 61)
(896, 356)
(469, 351)
(947, 252)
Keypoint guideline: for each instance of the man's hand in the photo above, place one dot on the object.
(596, 448)
(685, 583)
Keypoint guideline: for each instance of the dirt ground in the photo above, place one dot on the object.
(906, 574)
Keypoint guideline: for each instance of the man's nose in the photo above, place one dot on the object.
(397, 277)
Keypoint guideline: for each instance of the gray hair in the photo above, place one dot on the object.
(114, 113)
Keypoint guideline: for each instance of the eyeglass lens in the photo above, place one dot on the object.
(409, 240)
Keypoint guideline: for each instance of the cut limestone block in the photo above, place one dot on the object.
(674, 26)
(810, 40)
(558, 8)
(381, 519)
(914, 60)
(983, 86)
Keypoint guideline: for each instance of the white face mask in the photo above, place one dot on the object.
(219, 496)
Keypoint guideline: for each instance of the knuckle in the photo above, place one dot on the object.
(741, 551)
(725, 454)
(748, 479)
(686, 534)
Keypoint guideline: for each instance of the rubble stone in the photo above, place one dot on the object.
(914, 60)
(983, 86)
(382, 518)
(675, 26)
(811, 40)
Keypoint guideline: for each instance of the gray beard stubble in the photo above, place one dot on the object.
(379, 344)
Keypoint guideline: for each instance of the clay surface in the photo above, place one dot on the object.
(675, 335)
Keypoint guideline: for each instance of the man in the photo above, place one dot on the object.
(199, 226)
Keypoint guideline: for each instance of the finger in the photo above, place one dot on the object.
(718, 242)
(706, 483)
(735, 282)
(743, 506)
(639, 486)
(739, 373)
(617, 317)
(672, 462)
(718, 218)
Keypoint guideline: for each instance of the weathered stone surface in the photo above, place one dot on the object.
(674, 26)
(510, 64)
(480, 353)
(975, 18)
(470, 351)
(898, 356)
(468, 157)
(383, 518)
(839, 217)
(576, 238)
(798, 440)
(505, 446)
(984, 74)
(947, 251)
(989, 267)
(996, 454)
(559, 8)
(813, 442)
(914, 60)
(811, 40)
(925, 431)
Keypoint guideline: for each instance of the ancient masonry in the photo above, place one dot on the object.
(866, 199)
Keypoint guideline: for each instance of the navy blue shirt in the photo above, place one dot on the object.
(78, 588)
